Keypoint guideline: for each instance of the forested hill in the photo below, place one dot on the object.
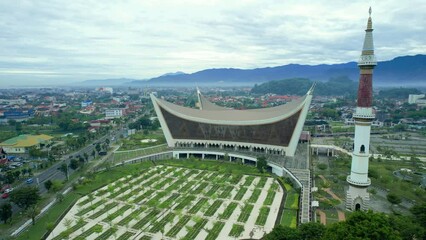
(299, 86)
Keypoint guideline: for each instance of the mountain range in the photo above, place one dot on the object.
(400, 71)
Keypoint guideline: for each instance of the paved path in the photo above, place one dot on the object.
(323, 218)
(323, 179)
(332, 194)
(341, 215)
(328, 190)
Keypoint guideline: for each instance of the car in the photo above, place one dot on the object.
(29, 181)
(5, 195)
(8, 190)
(5, 187)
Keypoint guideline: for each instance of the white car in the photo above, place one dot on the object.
(8, 190)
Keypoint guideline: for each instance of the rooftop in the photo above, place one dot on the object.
(26, 140)
(211, 113)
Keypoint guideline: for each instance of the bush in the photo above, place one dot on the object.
(373, 173)
(394, 199)
(372, 191)
(56, 185)
(322, 166)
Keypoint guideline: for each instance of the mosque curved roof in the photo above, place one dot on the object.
(211, 113)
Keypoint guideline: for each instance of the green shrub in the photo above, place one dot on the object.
(393, 198)
(373, 173)
(322, 166)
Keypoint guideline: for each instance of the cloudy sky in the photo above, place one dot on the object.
(51, 41)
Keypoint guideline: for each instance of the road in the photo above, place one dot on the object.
(52, 173)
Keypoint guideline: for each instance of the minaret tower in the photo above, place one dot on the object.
(357, 197)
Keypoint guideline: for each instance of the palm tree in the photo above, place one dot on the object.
(64, 168)
(32, 212)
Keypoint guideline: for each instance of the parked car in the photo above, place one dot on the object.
(8, 190)
(3, 189)
(29, 181)
(5, 195)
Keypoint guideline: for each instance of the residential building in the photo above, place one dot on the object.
(114, 113)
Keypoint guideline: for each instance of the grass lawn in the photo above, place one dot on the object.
(337, 124)
(331, 216)
(98, 180)
(103, 178)
(291, 206)
(49, 220)
(289, 218)
(214, 165)
(135, 141)
(292, 200)
(385, 179)
(120, 156)
(92, 182)
(381, 175)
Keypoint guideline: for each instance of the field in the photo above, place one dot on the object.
(175, 203)
(136, 141)
(120, 156)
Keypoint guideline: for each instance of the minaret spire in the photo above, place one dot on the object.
(367, 56)
(357, 197)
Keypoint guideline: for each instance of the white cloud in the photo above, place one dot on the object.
(82, 39)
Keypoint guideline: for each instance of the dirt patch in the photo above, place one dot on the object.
(323, 217)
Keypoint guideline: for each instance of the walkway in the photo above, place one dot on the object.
(304, 176)
(328, 190)
(333, 148)
(341, 215)
(323, 217)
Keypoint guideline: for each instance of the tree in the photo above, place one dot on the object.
(57, 185)
(281, 232)
(74, 164)
(261, 164)
(64, 168)
(25, 197)
(419, 213)
(60, 197)
(362, 225)
(86, 157)
(10, 177)
(11, 122)
(48, 184)
(35, 152)
(98, 147)
(23, 171)
(93, 153)
(408, 227)
(18, 127)
(81, 161)
(5, 212)
(311, 231)
(32, 212)
(226, 157)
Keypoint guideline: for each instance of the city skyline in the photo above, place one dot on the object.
(47, 42)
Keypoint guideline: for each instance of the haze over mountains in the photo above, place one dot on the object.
(401, 71)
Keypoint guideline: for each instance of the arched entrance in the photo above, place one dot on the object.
(357, 207)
